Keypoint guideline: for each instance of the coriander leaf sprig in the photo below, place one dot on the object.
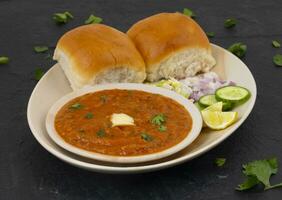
(188, 12)
(38, 73)
(40, 49)
(146, 137)
(101, 133)
(239, 49)
(210, 34)
(277, 59)
(76, 106)
(62, 18)
(220, 161)
(159, 120)
(92, 19)
(4, 60)
(89, 115)
(229, 23)
(259, 172)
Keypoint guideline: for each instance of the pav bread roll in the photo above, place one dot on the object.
(96, 53)
(172, 45)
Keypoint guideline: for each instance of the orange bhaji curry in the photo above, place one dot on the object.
(159, 122)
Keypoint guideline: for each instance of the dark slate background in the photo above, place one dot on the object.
(27, 171)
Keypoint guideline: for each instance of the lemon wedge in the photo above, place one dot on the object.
(215, 107)
(218, 120)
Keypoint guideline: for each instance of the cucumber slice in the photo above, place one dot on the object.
(226, 106)
(233, 94)
(211, 99)
(208, 100)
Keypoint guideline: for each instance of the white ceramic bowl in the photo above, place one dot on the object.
(191, 136)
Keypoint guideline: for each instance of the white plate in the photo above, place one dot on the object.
(188, 105)
(54, 85)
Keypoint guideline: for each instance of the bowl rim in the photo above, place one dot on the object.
(187, 104)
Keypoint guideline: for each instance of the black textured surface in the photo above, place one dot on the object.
(27, 171)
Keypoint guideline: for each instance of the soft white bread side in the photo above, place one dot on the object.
(94, 54)
(172, 45)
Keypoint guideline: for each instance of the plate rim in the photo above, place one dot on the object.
(150, 167)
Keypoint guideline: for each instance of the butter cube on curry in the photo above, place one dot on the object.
(121, 119)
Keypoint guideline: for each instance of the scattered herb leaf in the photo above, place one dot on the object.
(89, 115)
(76, 106)
(220, 161)
(239, 49)
(229, 23)
(277, 59)
(4, 60)
(101, 133)
(40, 49)
(38, 74)
(62, 18)
(103, 98)
(92, 19)
(250, 182)
(146, 137)
(162, 128)
(210, 34)
(189, 12)
(276, 44)
(68, 14)
(158, 119)
(259, 171)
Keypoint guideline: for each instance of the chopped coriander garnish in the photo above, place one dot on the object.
(38, 74)
(76, 106)
(250, 182)
(92, 19)
(146, 137)
(239, 49)
(103, 98)
(101, 133)
(210, 34)
(259, 171)
(229, 23)
(220, 161)
(4, 60)
(40, 49)
(189, 12)
(89, 115)
(158, 119)
(277, 59)
(62, 18)
(162, 128)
